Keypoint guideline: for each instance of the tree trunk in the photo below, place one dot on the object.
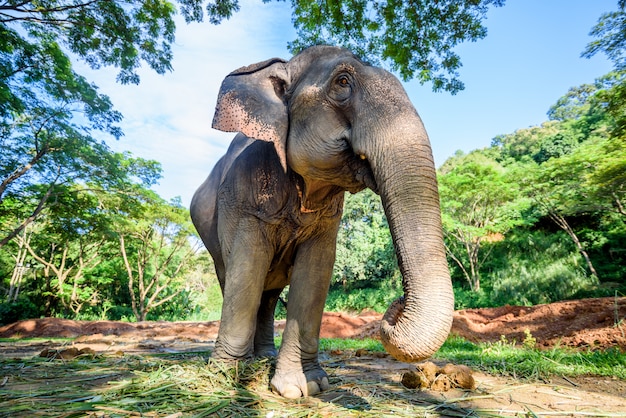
(19, 269)
(40, 207)
(563, 224)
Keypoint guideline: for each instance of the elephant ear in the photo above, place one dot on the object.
(251, 101)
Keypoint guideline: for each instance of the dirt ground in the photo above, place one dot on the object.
(584, 324)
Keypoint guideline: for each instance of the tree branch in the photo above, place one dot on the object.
(19, 172)
(40, 207)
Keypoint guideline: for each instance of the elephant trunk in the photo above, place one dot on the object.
(418, 323)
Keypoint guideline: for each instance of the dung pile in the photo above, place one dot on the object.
(66, 353)
(430, 376)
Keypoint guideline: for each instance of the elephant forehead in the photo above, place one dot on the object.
(309, 95)
(232, 116)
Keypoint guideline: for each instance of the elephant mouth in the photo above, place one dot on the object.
(367, 177)
(361, 170)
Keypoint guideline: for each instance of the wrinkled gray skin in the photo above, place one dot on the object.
(324, 123)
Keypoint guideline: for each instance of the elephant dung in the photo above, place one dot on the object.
(66, 354)
(430, 376)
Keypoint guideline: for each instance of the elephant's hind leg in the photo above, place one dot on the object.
(246, 268)
(264, 336)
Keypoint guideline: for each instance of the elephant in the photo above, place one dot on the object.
(308, 130)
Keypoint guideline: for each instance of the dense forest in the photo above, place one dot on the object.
(538, 216)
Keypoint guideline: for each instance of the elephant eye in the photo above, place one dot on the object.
(341, 89)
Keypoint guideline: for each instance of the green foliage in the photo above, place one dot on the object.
(539, 277)
(610, 34)
(523, 144)
(17, 310)
(76, 269)
(417, 38)
(366, 274)
(480, 203)
(48, 112)
(607, 245)
(465, 298)
(201, 300)
(157, 249)
(376, 298)
(103, 33)
(567, 192)
(365, 253)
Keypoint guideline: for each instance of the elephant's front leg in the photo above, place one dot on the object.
(298, 372)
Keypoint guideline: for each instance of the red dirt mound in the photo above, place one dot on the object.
(588, 323)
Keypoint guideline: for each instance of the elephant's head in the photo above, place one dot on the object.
(341, 123)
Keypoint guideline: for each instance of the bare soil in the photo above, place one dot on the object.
(595, 324)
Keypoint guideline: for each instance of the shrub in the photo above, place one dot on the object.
(531, 285)
(355, 300)
(22, 308)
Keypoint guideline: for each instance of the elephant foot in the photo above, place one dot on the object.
(294, 384)
(265, 352)
(231, 353)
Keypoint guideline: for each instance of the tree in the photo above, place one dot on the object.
(48, 112)
(156, 244)
(17, 275)
(101, 32)
(43, 146)
(608, 179)
(416, 37)
(596, 158)
(365, 253)
(64, 264)
(523, 144)
(555, 189)
(71, 235)
(480, 204)
(610, 34)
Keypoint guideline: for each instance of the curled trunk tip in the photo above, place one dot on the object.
(408, 341)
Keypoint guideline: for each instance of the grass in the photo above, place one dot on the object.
(504, 358)
(192, 385)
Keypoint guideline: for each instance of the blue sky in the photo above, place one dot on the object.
(530, 58)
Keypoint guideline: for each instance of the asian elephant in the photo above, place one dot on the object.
(310, 129)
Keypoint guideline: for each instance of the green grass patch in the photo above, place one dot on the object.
(330, 344)
(504, 358)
